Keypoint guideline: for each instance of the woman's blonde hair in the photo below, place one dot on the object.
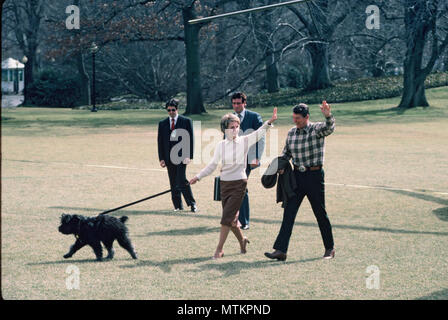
(227, 119)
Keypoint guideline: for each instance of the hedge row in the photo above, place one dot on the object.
(54, 89)
(357, 90)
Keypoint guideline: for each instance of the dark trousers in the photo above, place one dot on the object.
(244, 209)
(178, 184)
(311, 185)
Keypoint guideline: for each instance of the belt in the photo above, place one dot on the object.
(303, 168)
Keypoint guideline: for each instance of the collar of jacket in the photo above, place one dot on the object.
(306, 129)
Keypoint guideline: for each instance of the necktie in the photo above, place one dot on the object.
(239, 116)
(172, 124)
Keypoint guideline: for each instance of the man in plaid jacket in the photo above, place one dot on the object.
(305, 145)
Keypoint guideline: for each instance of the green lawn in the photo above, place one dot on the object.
(386, 195)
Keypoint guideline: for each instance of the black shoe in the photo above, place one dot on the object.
(329, 254)
(194, 207)
(277, 254)
(244, 227)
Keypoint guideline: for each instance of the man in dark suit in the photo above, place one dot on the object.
(175, 144)
(250, 121)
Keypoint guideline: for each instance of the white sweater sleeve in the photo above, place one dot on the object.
(213, 164)
(255, 136)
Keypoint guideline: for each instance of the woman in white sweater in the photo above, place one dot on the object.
(232, 154)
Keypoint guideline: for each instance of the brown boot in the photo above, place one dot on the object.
(277, 254)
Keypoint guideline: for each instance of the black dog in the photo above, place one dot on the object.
(94, 230)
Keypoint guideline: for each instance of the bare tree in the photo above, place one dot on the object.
(264, 30)
(323, 18)
(361, 51)
(195, 102)
(144, 68)
(108, 23)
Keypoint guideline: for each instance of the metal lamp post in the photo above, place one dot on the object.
(24, 61)
(93, 50)
(16, 79)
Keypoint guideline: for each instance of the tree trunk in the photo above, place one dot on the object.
(220, 57)
(413, 91)
(83, 77)
(320, 77)
(195, 104)
(270, 61)
(445, 63)
(413, 79)
(321, 30)
(271, 72)
(28, 15)
(266, 28)
(84, 81)
(420, 19)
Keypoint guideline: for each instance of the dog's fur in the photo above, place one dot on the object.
(94, 230)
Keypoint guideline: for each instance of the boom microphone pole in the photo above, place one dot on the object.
(206, 19)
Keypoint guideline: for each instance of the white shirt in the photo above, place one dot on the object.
(175, 120)
(232, 154)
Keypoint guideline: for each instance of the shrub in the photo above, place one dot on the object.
(54, 89)
(356, 90)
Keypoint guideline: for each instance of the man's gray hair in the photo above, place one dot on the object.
(227, 119)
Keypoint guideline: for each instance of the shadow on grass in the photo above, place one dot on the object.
(232, 268)
(65, 261)
(421, 196)
(441, 213)
(227, 268)
(166, 266)
(436, 295)
(258, 220)
(183, 232)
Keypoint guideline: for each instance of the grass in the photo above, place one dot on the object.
(74, 161)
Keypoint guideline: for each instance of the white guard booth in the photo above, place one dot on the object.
(12, 76)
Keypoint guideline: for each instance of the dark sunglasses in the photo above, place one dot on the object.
(171, 110)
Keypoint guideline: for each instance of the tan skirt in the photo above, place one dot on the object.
(232, 195)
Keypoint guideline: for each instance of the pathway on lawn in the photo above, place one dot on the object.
(11, 100)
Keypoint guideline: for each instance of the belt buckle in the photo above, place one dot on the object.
(302, 168)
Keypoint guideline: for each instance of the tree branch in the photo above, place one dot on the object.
(301, 17)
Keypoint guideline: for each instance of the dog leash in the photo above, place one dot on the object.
(135, 202)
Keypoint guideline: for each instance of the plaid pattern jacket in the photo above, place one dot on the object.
(306, 146)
